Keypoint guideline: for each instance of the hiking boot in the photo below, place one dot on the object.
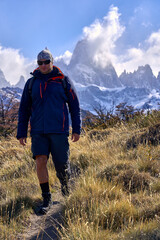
(47, 203)
(65, 190)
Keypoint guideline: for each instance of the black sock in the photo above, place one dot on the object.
(45, 187)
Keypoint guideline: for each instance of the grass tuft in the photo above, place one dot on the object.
(116, 184)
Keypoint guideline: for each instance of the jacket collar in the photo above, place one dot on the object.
(56, 72)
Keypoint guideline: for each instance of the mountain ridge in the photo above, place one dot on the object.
(100, 85)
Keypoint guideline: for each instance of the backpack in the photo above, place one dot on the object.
(64, 84)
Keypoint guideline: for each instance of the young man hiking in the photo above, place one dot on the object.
(47, 99)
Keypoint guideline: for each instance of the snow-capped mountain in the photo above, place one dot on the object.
(3, 81)
(93, 96)
(142, 78)
(8, 93)
(82, 68)
(101, 86)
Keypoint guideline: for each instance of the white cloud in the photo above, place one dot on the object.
(66, 57)
(148, 54)
(13, 64)
(102, 37)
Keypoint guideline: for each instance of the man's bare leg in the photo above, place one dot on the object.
(42, 172)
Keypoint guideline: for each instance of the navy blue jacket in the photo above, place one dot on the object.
(49, 105)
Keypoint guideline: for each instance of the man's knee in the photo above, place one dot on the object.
(41, 161)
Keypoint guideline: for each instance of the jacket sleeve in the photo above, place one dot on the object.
(24, 112)
(74, 107)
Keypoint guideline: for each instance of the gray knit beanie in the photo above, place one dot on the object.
(45, 54)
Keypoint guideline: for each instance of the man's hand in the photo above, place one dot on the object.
(23, 141)
(75, 137)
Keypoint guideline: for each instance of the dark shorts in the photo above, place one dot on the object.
(56, 144)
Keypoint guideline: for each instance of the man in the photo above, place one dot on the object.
(46, 106)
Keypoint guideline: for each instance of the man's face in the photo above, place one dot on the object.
(44, 66)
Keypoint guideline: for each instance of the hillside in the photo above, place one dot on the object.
(115, 186)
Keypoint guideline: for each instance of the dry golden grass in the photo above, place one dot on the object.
(19, 187)
(115, 192)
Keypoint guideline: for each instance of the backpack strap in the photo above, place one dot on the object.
(30, 86)
(64, 83)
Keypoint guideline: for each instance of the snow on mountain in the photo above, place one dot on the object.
(101, 86)
(97, 86)
(3, 81)
(93, 96)
(10, 93)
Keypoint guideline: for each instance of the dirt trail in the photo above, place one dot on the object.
(44, 227)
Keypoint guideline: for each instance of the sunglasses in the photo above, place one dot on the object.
(45, 62)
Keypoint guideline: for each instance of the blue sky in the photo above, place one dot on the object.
(28, 26)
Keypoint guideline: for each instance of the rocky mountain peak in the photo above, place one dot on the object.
(144, 70)
(82, 54)
(82, 68)
(3, 81)
(20, 83)
(141, 78)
